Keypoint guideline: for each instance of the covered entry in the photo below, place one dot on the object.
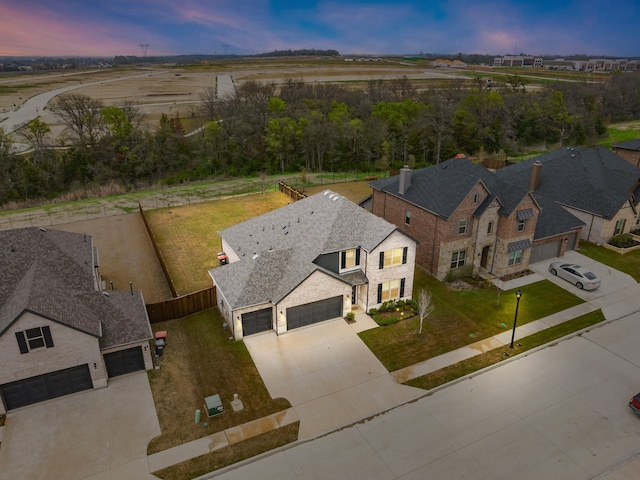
(45, 387)
(256, 322)
(314, 312)
(124, 361)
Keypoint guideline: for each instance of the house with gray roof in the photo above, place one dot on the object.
(629, 150)
(468, 218)
(310, 261)
(59, 333)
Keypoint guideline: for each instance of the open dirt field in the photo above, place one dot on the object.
(174, 90)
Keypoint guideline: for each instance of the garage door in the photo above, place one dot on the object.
(545, 251)
(124, 361)
(314, 312)
(256, 322)
(45, 387)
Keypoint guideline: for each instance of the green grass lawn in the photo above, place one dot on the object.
(460, 318)
(621, 132)
(627, 263)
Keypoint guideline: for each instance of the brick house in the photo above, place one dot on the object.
(464, 215)
(59, 334)
(630, 151)
(310, 261)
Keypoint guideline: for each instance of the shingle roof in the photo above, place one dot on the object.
(50, 273)
(629, 145)
(440, 189)
(277, 249)
(594, 180)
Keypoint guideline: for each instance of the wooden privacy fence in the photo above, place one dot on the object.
(290, 191)
(157, 250)
(182, 306)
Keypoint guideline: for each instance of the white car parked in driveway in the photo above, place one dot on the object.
(579, 276)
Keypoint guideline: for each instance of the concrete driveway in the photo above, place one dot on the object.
(612, 280)
(327, 373)
(94, 435)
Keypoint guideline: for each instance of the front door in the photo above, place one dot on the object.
(484, 257)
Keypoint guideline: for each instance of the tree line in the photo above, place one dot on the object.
(312, 127)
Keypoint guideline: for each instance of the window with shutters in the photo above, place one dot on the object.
(350, 259)
(391, 290)
(395, 256)
(34, 339)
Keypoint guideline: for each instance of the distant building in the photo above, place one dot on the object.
(592, 65)
(517, 61)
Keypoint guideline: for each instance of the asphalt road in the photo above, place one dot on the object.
(558, 413)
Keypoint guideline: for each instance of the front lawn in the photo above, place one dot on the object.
(627, 263)
(460, 318)
(199, 360)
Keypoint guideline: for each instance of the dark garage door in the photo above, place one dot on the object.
(45, 387)
(545, 251)
(124, 361)
(256, 322)
(314, 312)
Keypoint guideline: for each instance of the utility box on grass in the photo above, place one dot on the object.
(213, 404)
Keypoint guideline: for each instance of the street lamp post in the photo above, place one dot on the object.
(515, 319)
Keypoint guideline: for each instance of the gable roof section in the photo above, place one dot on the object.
(277, 249)
(593, 180)
(50, 273)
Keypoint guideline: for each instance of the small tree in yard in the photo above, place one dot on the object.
(424, 306)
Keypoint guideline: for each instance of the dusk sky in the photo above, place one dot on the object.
(499, 27)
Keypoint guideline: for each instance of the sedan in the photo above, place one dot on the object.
(634, 404)
(579, 276)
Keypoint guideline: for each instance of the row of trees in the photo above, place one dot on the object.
(264, 128)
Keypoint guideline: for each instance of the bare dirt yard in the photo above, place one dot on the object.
(126, 254)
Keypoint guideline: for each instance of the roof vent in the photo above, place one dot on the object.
(255, 255)
(13, 249)
(42, 229)
(573, 155)
(105, 293)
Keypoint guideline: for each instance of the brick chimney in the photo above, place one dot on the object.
(405, 180)
(536, 171)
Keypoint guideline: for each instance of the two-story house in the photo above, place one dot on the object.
(465, 216)
(310, 261)
(59, 332)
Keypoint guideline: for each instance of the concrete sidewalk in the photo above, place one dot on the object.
(216, 441)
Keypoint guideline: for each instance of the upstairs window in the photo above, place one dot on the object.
(395, 256)
(407, 217)
(462, 226)
(350, 259)
(522, 225)
(489, 228)
(34, 339)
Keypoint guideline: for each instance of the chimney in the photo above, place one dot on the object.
(405, 180)
(536, 171)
